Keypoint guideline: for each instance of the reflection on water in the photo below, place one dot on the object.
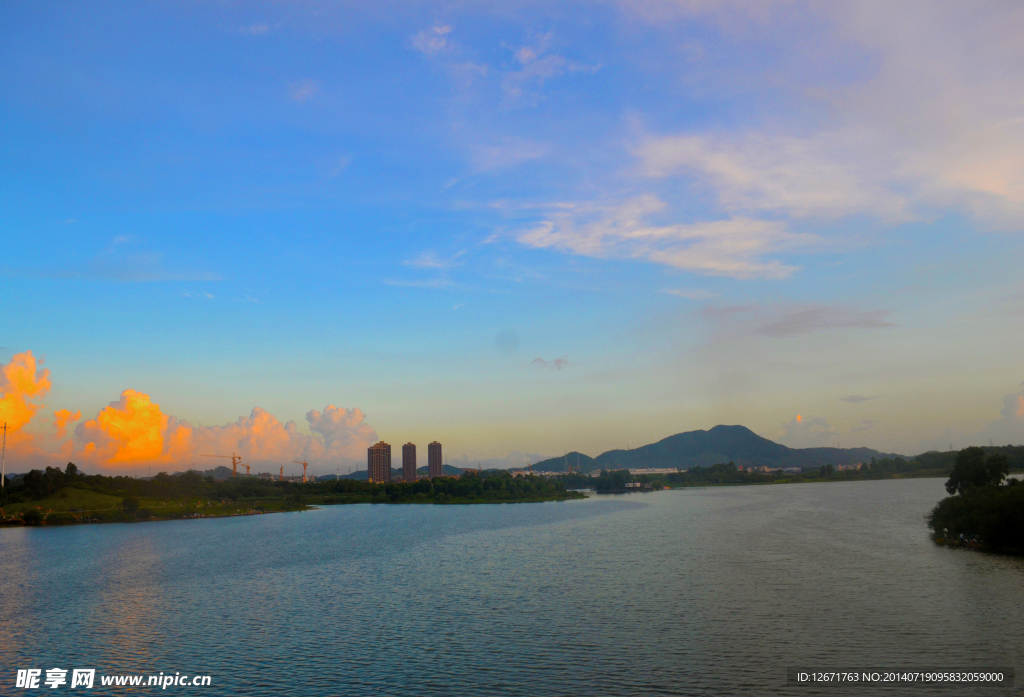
(700, 591)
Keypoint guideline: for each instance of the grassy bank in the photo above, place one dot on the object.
(62, 497)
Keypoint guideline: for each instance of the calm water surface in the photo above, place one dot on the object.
(690, 592)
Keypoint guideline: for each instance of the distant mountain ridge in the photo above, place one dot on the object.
(736, 444)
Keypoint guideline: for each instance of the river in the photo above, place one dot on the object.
(712, 591)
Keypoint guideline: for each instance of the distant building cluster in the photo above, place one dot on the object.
(378, 462)
(768, 470)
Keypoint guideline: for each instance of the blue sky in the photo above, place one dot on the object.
(520, 229)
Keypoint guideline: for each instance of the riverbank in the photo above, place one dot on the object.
(81, 499)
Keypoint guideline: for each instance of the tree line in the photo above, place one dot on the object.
(497, 486)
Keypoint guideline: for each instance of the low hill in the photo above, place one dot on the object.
(736, 444)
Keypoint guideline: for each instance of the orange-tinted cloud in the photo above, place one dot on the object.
(134, 433)
(61, 419)
(131, 431)
(21, 382)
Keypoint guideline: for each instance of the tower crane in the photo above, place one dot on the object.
(236, 460)
(303, 463)
(282, 474)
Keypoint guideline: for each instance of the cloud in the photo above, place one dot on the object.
(122, 268)
(61, 419)
(807, 432)
(782, 321)
(736, 247)
(757, 174)
(303, 90)
(856, 399)
(196, 294)
(428, 283)
(343, 433)
(895, 111)
(803, 320)
(133, 432)
(865, 425)
(507, 153)
(1008, 429)
(432, 41)
(430, 260)
(340, 165)
(22, 384)
(117, 263)
(557, 363)
(254, 29)
(537, 66)
(690, 294)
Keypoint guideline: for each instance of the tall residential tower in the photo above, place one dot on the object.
(409, 462)
(378, 462)
(434, 460)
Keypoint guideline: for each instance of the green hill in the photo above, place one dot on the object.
(736, 444)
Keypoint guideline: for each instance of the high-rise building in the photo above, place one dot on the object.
(409, 462)
(378, 462)
(434, 460)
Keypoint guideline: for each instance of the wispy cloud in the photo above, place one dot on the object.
(536, 66)
(555, 364)
(427, 283)
(736, 247)
(507, 153)
(755, 174)
(134, 268)
(254, 29)
(434, 40)
(339, 165)
(689, 294)
(932, 122)
(779, 321)
(303, 90)
(431, 260)
(816, 318)
(856, 399)
(118, 263)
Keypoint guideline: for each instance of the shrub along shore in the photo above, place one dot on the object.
(932, 464)
(984, 510)
(61, 497)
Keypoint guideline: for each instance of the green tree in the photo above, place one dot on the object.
(130, 504)
(973, 470)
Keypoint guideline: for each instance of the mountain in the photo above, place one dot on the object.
(736, 444)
